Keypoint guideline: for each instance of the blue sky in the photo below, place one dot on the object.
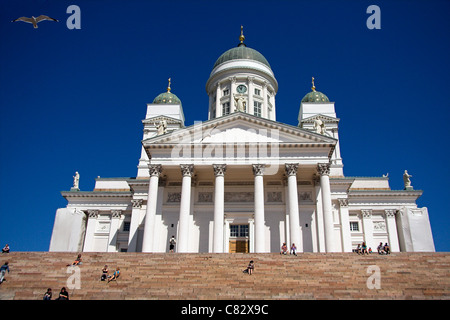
(73, 100)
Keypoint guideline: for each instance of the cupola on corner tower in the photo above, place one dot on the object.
(242, 81)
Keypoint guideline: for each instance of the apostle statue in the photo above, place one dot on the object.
(76, 180)
(407, 180)
(161, 127)
(319, 126)
(239, 103)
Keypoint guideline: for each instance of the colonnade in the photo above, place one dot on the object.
(187, 171)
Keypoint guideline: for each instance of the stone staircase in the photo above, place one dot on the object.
(220, 276)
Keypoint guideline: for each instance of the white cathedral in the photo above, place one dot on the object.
(241, 181)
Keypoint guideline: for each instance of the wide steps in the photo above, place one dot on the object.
(220, 276)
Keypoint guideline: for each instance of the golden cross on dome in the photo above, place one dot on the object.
(168, 88)
(313, 87)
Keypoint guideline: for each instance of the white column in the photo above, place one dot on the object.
(90, 230)
(324, 171)
(391, 226)
(265, 109)
(250, 108)
(219, 207)
(368, 228)
(185, 208)
(294, 219)
(134, 224)
(345, 225)
(232, 92)
(260, 241)
(149, 227)
(218, 105)
(113, 229)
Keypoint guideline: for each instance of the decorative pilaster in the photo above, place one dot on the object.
(114, 227)
(391, 226)
(324, 170)
(366, 215)
(219, 207)
(149, 227)
(187, 171)
(345, 225)
(258, 171)
(90, 230)
(294, 219)
(134, 223)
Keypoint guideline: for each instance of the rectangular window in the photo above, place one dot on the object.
(225, 108)
(243, 230)
(239, 230)
(258, 92)
(234, 230)
(226, 92)
(257, 107)
(126, 226)
(354, 226)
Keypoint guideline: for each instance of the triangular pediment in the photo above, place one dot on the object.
(324, 118)
(240, 128)
(156, 119)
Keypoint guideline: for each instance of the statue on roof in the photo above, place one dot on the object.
(407, 180)
(76, 180)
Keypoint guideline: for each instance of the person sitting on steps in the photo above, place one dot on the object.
(115, 275)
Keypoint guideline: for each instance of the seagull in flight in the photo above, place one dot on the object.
(34, 20)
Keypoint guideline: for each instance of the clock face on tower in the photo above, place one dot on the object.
(241, 89)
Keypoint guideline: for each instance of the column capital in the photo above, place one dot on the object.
(137, 203)
(343, 202)
(116, 213)
(187, 170)
(323, 169)
(93, 213)
(390, 213)
(291, 169)
(258, 169)
(154, 170)
(219, 169)
(366, 213)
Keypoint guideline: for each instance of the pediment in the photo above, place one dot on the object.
(240, 128)
(324, 118)
(156, 119)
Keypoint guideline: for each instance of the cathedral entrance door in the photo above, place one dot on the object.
(239, 240)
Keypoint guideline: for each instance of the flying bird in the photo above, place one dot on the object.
(34, 20)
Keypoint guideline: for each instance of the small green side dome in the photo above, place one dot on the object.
(167, 98)
(315, 96)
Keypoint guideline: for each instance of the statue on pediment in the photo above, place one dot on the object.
(161, 127)
(319, 126)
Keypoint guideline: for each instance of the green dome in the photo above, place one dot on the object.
(315, 96)
(241, 52)
(167, 98)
